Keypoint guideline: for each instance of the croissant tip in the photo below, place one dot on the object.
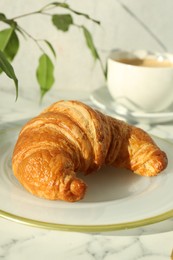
(78, 189)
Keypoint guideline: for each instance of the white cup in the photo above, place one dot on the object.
(145, 85)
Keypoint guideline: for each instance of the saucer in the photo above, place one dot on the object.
(103, 100)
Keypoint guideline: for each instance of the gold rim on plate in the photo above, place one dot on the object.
(87, 228)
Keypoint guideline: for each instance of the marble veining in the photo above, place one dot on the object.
(42, 244)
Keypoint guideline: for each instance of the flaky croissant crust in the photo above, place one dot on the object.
(70, 137)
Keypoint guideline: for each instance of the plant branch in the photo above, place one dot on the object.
(45, 70)
(32, 38)
(25, 15)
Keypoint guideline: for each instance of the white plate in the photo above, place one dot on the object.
(102, 99)
(115, 199)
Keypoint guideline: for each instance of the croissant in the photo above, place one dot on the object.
(70, 137)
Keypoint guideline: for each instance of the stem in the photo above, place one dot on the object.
(32, 38)
(25, 15)
(40, 11)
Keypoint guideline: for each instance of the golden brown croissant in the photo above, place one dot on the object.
(70, 137)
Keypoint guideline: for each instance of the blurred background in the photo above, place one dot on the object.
(126, 24)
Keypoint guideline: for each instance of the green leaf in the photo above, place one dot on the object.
(91, 46)
(62, 21)
(85, 15)
(44, 74)
(90, 43)
(8, 69)
(9, 43)
(50, 47)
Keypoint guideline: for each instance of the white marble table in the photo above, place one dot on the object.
(19, 241)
